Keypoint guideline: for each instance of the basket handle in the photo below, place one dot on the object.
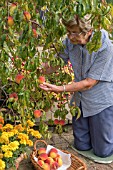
(37, 142)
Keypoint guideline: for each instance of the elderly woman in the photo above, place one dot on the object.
(93, 87)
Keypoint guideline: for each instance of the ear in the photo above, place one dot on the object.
(90, 32)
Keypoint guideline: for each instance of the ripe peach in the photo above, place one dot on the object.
(18, 78)
(40, 163)
(59, 161)
(56, 121)
(27, 15)
(43, 156)
(46, 166)
(49, 160)
(53, 153)
(1, 120)
(37, 113)
(41, 79)
(12, 8)
(1, 126)
(10, 21)
(41, 150)
(54, 165)
(35, 33)
(62, 122)
(13, 96)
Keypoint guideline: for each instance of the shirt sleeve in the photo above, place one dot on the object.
(64, 54)
(102, 68)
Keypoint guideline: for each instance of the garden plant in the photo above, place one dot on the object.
(31, 34)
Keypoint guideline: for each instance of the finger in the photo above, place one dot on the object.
(46, 88)
(47, 84)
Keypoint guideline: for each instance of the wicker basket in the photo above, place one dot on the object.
(76, 163)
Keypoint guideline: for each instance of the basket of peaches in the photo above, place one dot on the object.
(49, 158)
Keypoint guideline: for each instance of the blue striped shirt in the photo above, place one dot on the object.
(98, 66)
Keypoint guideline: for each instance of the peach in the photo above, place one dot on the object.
(35, 33)
(56, 121)
(41, 79)
(10, 21)
(18, 78)
(46, 166)
(49, 160)
(62, 122)
(13, 96)
(1, 126)
(40, 163)
(41, 150)
(53, 153)
(59, 161)
(27, 15)
(1, 120)
(12, 8)
(37, 113)
(54, 166)
(43, 156)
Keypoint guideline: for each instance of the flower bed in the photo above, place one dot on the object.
(14, 141)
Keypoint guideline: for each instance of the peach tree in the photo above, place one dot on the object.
(31, 33)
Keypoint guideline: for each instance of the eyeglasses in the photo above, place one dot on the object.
(74, 33)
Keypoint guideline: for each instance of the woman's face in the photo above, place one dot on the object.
(76, 36)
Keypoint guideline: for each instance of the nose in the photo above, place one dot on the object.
(70, 36)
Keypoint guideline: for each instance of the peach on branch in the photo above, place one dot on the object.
(27, 15)
(10, 21)
(37, 113)
(41, 79)
(56, 121)
(62, 122)
(18, 78)
(1, 120)
(43, 156)
(13, 97)
(12, 8)
(35, 33)
(1, 126)
(53, 153)
(41, 150)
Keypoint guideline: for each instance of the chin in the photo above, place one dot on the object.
(74, 42)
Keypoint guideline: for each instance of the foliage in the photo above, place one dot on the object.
(28, 40)
(14, 141)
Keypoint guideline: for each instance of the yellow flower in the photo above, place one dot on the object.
(23, 141)
(13, 145)
(2, 165)
(30, 143)
(34, 133)
(19, 128)
(30, 123)
(1, 155)
(4, 139)
(15, 131)
(23, 136)
(8, 127)
(5, 148)
(37, 134)
(8, 154)
(10, 134)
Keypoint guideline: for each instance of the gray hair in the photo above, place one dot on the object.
(83, 23)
